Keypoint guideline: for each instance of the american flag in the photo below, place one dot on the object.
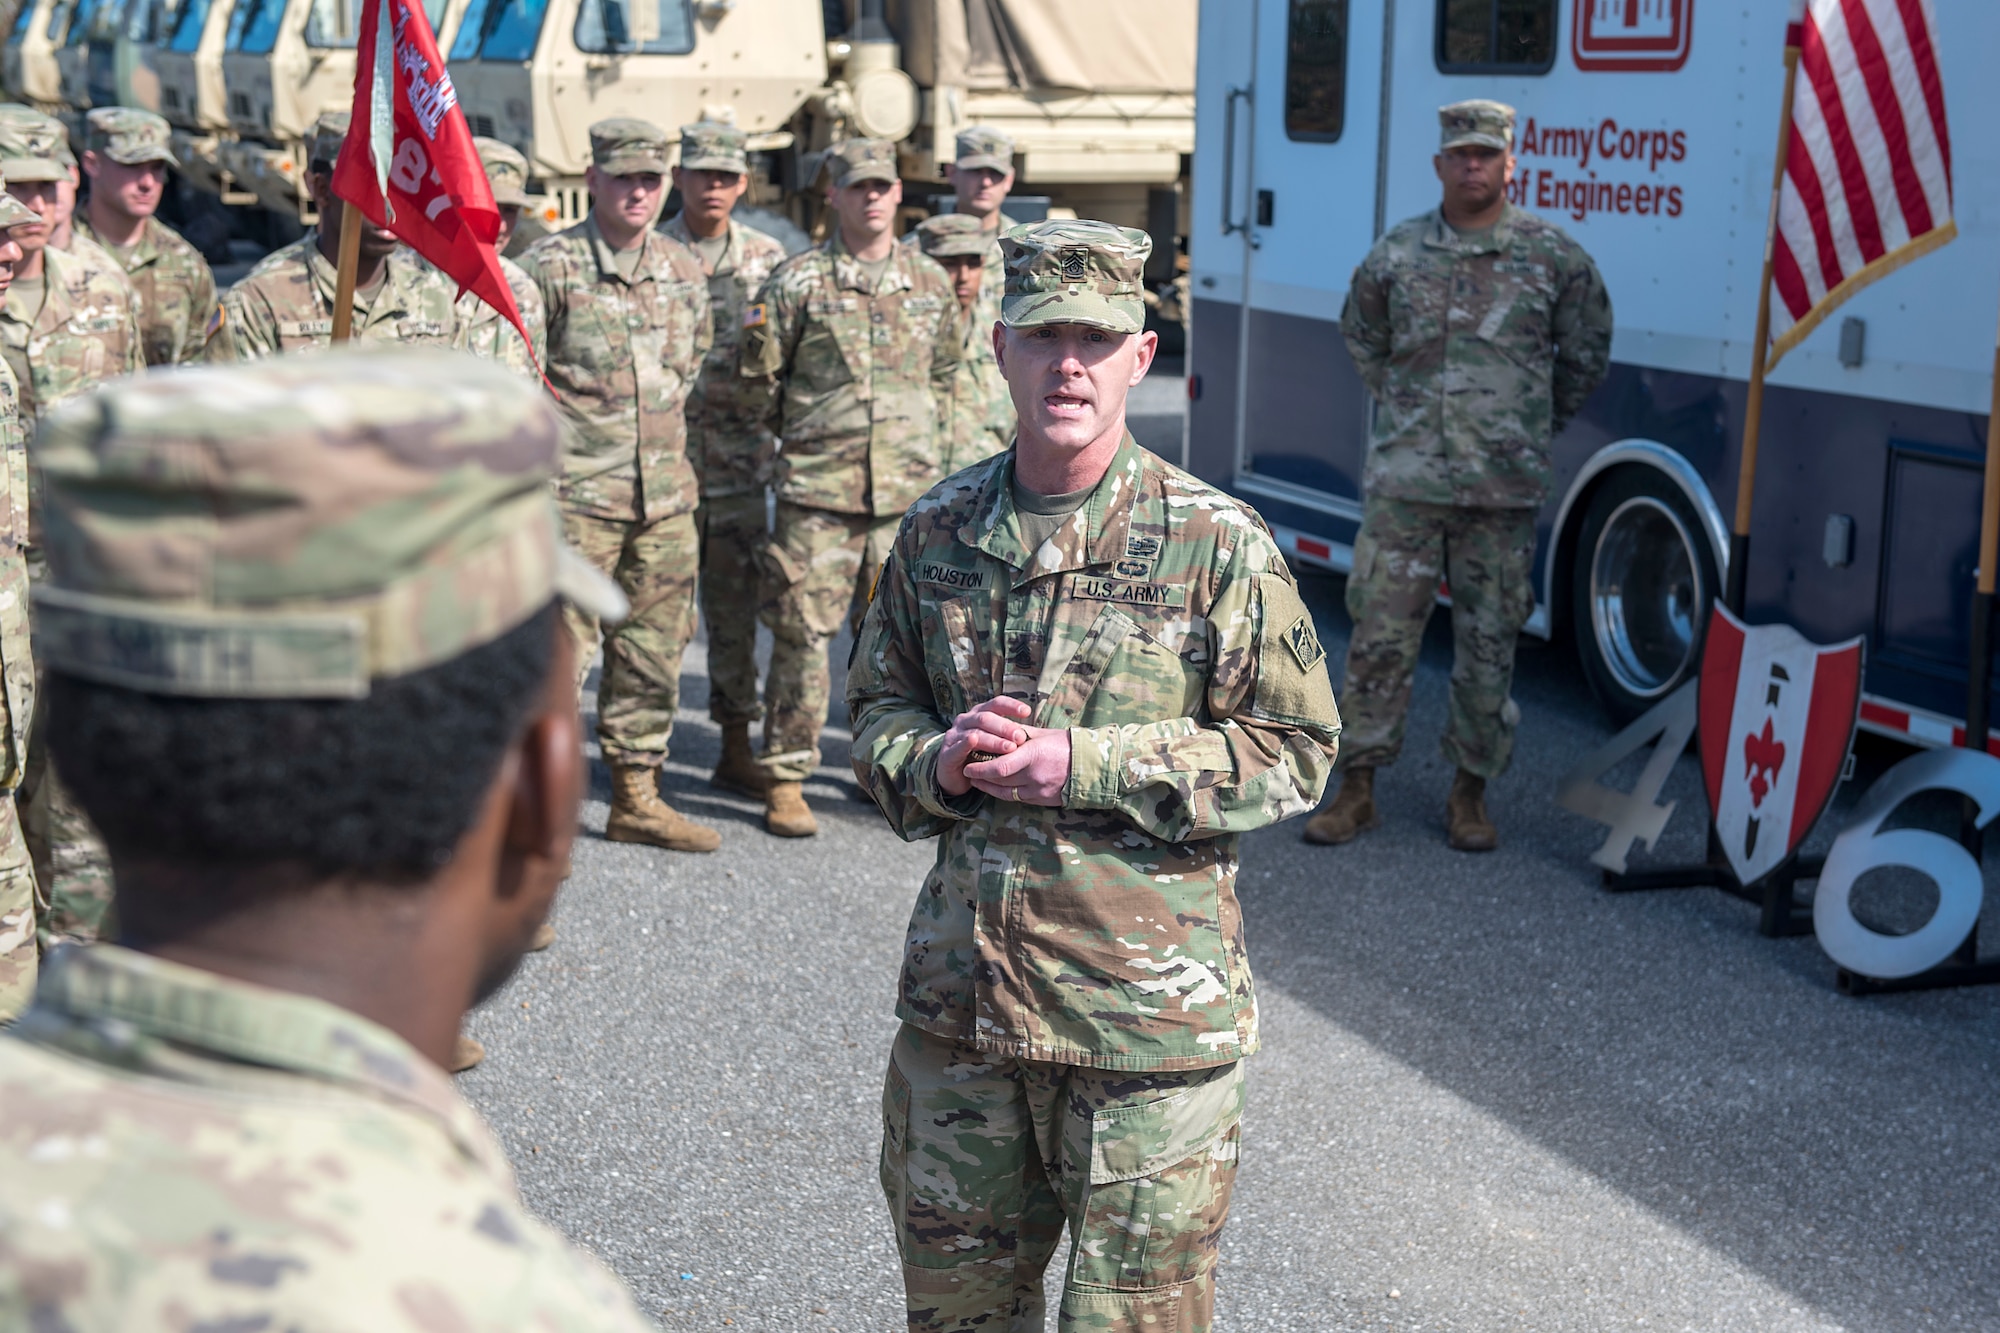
(1867, 184)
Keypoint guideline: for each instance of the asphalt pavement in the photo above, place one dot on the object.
(1491, 1096)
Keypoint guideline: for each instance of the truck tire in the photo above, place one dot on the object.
(1642, 580)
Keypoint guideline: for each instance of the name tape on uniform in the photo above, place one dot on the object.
(951, 576)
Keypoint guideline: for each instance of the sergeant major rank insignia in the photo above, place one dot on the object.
(1304, 643)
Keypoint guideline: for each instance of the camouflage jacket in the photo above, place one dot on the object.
(189, 1152)
(285, 304)
(1477, 353)
(855, 382)
(623, 357)
(17, 667)
(731, 446)
(1163, 629)
(485, 333)
(981, 413)
(86, 332)
(176, 291)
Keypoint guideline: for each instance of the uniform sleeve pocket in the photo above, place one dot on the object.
(1292, 684)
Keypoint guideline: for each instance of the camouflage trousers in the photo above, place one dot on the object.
(985, 1160)
(819, 569)
(654, 563)
(70, 860)
(733, 533)
(1404, 549)
(19, 950)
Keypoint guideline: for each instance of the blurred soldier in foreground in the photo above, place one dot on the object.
(285, 304)
(1084, 673)
(485, 332)
(629, 325)
(127, 160)
(1480, 329)
(70, 324)
(980, 419)
(19, 947)
(337, 759)
(730, 445)
(853, 346)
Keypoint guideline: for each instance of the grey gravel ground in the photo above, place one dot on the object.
(1490, 1097)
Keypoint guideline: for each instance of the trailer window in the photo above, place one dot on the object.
(253, 26)
(635, 27)
(1496, 36)
(1316, 70)
(193, 17)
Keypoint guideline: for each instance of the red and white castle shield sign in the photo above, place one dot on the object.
(1629, 36)
(1777, 718)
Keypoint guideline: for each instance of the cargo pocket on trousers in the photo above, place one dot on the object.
(895, 1170)
(1160, 1178)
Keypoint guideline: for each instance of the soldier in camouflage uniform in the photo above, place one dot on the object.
(127, 160)
(1480, 329)
(980, 420)
(854, 346)
(50, 138)
(629, 327)
(19, 947)
(285, 303)
(69, 324)
(730, 444)
(481, 326)
(1085, 673)
(267, 1140)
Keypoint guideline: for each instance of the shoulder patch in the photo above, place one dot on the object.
(755, 315)
(216, 321)
(1304, 643)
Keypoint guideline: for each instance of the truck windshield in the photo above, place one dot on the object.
(336, 23)
(22, 22)
(499, 30)
(193, 17)
(253, 26)
(635, 27)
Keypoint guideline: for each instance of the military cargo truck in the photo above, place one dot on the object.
(28, 69)
(188, 58)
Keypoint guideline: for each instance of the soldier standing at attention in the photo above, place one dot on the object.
(18, 945)
(255, 1066)
(728, 440)
(853, 345)
(1085, 673)
(50, 137)
(285, 304)
(127, 159)
(485, 332)
(629, 326)
(1480, 329)
(980, 418)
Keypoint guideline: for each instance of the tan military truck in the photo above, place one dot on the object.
(28, 68)
(188, 58)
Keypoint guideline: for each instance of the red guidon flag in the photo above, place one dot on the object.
(408, 162)
(1867, 183)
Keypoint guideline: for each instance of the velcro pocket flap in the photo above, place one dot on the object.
(1127, 1142)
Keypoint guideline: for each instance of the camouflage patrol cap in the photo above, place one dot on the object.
(852, 161)
(1075, 271)
(981, 147)
(953, 234)
(33, 147)
(1486, 124)
(14, 213)
(328, 133)
(506, 171)
(709, 145)
(294, 528)
(128, 135)
(628, 146)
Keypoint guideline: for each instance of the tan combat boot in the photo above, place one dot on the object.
(545, 935)
(1466, 827)
(738, 769)
(1352, 811)
(785, 811)
(466, 1054)
(639, 815)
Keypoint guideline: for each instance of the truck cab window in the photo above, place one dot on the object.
(635, 27)
(253, 26)
(500, 30)
(188, 23)
(337, 23)
(1316, 70)
(1496, 36)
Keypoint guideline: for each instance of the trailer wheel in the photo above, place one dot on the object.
(1641, 585)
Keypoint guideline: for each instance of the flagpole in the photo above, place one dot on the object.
(1760, 356)
(350, 260)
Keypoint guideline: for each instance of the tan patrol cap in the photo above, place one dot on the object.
(709, 145)
(296, 527)
(32, 146)
(951, 235)
(506, 171)
(127, 135)
(852, 161)
(1487, 124)
(1075, 271)
(328, 133)
(628, 146)
(980, 147)
(14, 213)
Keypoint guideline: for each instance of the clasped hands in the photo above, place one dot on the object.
(993, 749)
